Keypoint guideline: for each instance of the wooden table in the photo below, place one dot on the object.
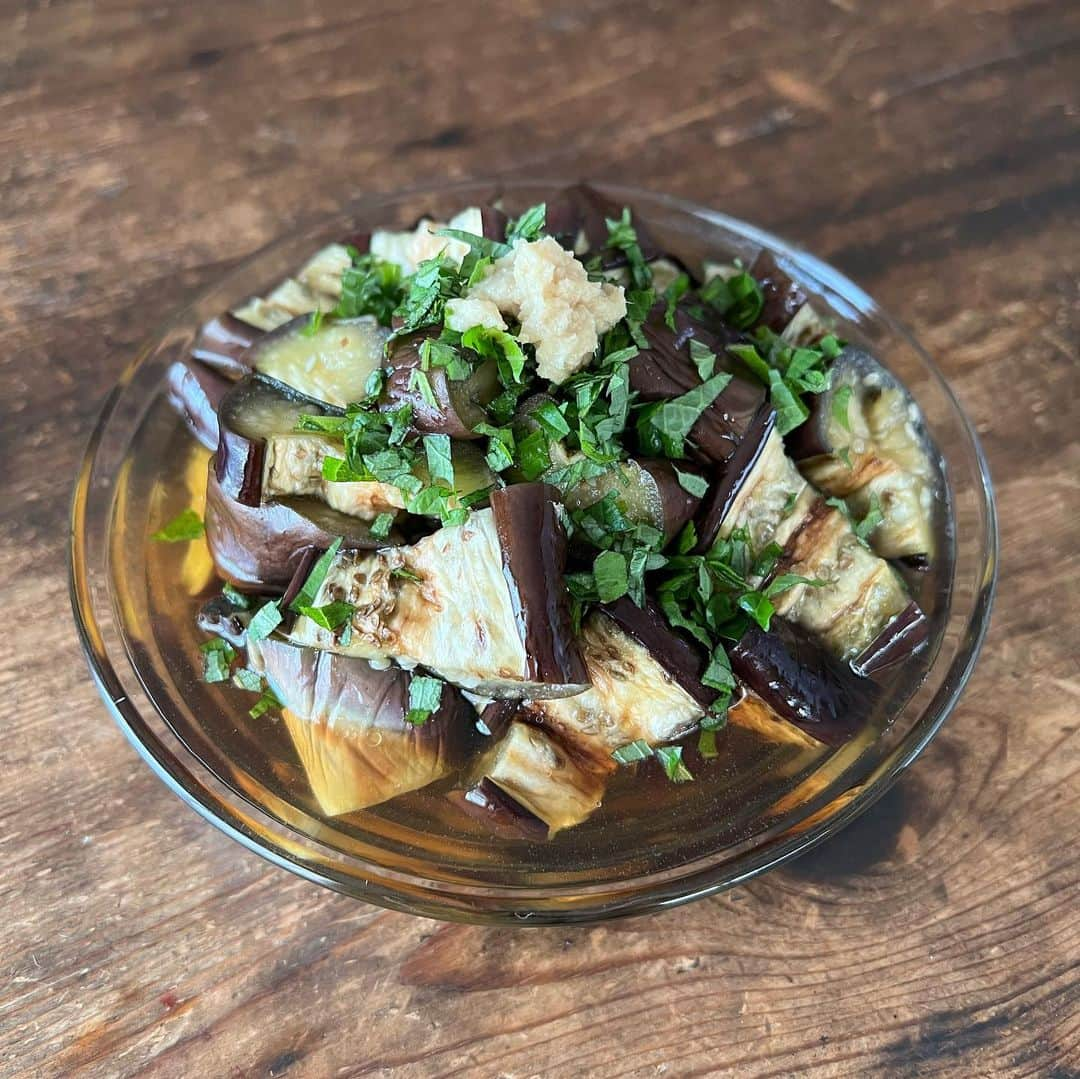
(929, 149)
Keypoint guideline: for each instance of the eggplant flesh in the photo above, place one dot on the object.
(632, 697)
(329, 363)
(803, 682)
(195, 393)
(258, 548)
(317, 287)
(861, 593)
(445, 603)
(648, 491)
(543, 777)
(887, 454)
(459, 404)
(665, 370)
(347, 722)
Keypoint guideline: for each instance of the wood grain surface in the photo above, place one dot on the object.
(930, 149)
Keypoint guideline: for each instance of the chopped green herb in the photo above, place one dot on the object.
(419, 381)
(529, 226)
(633, 752)
(314, 322)
(703, 358)
(500, 346)
(706, 745)
(184, 526)
(235, 597)
(380, 527)
(789, 502)
(425, 695)
(623, 237)
(439, 460)
(610, 573)
(692, 483)
(435, 281)
(672, 295)
(405, 574)
(310, 589)
(245, 678)
(671, 759)
(218, 655)
(329, 615)
(533, 456)
(663, 426)
(264, 704)
(436, 353)
(266, 619)
(874, 516)
(790, 411)
(841, 401)
(737, 299)
(370, 286)
(758, 606)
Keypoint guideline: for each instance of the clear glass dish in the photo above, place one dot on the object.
(652, 845)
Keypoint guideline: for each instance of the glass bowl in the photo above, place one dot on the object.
(652, 845)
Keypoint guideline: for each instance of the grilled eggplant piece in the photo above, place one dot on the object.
(783, 297)
(223, 344)
(665, 370)
(261, 456)
(758, 490)
(258, 548)
(317, 287)
(648, 491)
(195, 393)
(802, 682)
(899, 640)
(347, 722)
(862, 593)
(577, 217)
(543, 777)
(880, 432)
(633, 696)
(680, 659)
(499, 812)
(459, 404)
(330, 363)
(482, 604)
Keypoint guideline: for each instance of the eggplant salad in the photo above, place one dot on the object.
(510, 503)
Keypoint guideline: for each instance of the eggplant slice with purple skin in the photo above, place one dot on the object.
(223, 344)
(347, 722)
(648, 491)
(483, 604)
(864, 438)
(665, 370)
(498, 812)
(258, 548)
(802, 682)
(458, 403)
(196, 394)
(330, 362)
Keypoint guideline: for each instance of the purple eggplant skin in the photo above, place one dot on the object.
(252, 410)
(673, 652)
(342, 691)
(259, 548)
(534, 551)
(195, 393)
(677, 504)
(459, 405)
(731, 475)
(898, 641)
(359, 240)
(581, 208)
(783, 296)
(220, 618)
(494, 223)
(223, 343)
(802, 682)
(496, 716)
(498, 812)
(665, 370)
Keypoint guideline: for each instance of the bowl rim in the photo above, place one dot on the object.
(223, 807)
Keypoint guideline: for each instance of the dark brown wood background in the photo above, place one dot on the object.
(928, 148)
